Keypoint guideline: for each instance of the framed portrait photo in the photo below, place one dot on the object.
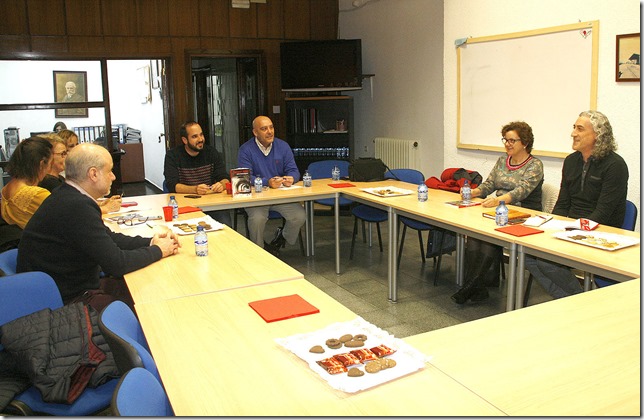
(70, 86)
(627, 66)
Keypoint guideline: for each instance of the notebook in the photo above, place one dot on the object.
(283, 307)
(519, 230)
(512, 214)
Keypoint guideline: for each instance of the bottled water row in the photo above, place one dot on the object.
(337, 152)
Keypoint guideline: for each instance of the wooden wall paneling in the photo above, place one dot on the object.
(183, 18)
(119, 17)
(83, 17)
(49, 44)
(46, 17)
(86, 44)
(14, 44)
(151, 45)
(182, 81)
(243, 22)
(214, 19)
(121, 45)
(296, 19)
(273, 85)
(212, 43)
(324, 19)
(152, 17)
(270, 19)
(14, 17)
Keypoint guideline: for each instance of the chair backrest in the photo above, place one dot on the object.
(165, 187)
(25, 293)
(8, 261)
(549, 195)
(406, 175)
(630, 217)
(139, 393)
(322, 168)
(124, 335)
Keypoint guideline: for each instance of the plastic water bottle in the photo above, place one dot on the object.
(258, 184)
(335, 173)
(501, 214)
(306, 179)
(466, 192)
(422, 192)
(201, 242)
(175, 207)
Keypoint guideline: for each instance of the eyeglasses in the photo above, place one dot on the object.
(132, 221)
(62, 154)
(511, 141)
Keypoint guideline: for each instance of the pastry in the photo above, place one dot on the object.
(316, 349)
(346, 338)
(333, 343)
(355, 372)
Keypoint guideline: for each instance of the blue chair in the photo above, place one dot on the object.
(322, 169)
(370, 214)
(630, 218)
(139, 393)
(8, 261)
(23, 294)
(165, 187)
(123, 333)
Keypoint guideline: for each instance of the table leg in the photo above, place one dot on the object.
(337, 233)
(518, 303)
(392, 272)
(310, 242)
(460, 259)
(587, 280)
(512, 279)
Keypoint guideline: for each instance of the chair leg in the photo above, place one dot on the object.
(353, 237)
(364, 233)
(379, 237)
(526, 294)
(422, 248)
(402, 243)
(299, 236)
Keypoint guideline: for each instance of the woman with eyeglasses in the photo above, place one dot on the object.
(516, 179)
(28, 165)
(53, 179)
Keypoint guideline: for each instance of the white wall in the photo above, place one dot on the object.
(402, 46)
(405, 43)
(619, 101)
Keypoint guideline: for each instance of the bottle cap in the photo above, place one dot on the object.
(199, 228)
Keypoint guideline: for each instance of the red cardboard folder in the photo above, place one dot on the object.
(519, 230)
(341, 185)
(188, 209)
(283, 307)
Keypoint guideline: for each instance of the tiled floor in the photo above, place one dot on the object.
(362, 284)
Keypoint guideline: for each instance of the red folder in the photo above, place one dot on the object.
(341, 185)
(188, 209)
(283, 307)
(519, 230)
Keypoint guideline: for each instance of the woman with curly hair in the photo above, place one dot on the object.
(517, 178)
(594, 184)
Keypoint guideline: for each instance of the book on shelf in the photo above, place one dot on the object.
(240, 180)
(461, 203)
(512, 214)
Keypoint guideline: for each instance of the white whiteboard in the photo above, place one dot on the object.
(544, 77)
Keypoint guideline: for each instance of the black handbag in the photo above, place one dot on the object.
(367, 169)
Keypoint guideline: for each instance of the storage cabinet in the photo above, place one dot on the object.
(132, 167)
(314, 129)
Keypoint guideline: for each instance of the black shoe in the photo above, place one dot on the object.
(462, 295)
(278, 241)
(479, 294)
(272, 249)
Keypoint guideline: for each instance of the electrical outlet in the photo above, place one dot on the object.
(366, 149)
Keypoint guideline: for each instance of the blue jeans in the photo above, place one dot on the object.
(555, 278)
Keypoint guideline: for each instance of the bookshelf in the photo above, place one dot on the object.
(312, 132)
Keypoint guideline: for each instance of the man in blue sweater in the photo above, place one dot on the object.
(272, 159)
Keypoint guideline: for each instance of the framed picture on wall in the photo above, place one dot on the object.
(70, 86)
(627, 66)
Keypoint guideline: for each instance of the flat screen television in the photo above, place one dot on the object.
(321, 65)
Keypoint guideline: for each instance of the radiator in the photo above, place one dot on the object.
(398, 153)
